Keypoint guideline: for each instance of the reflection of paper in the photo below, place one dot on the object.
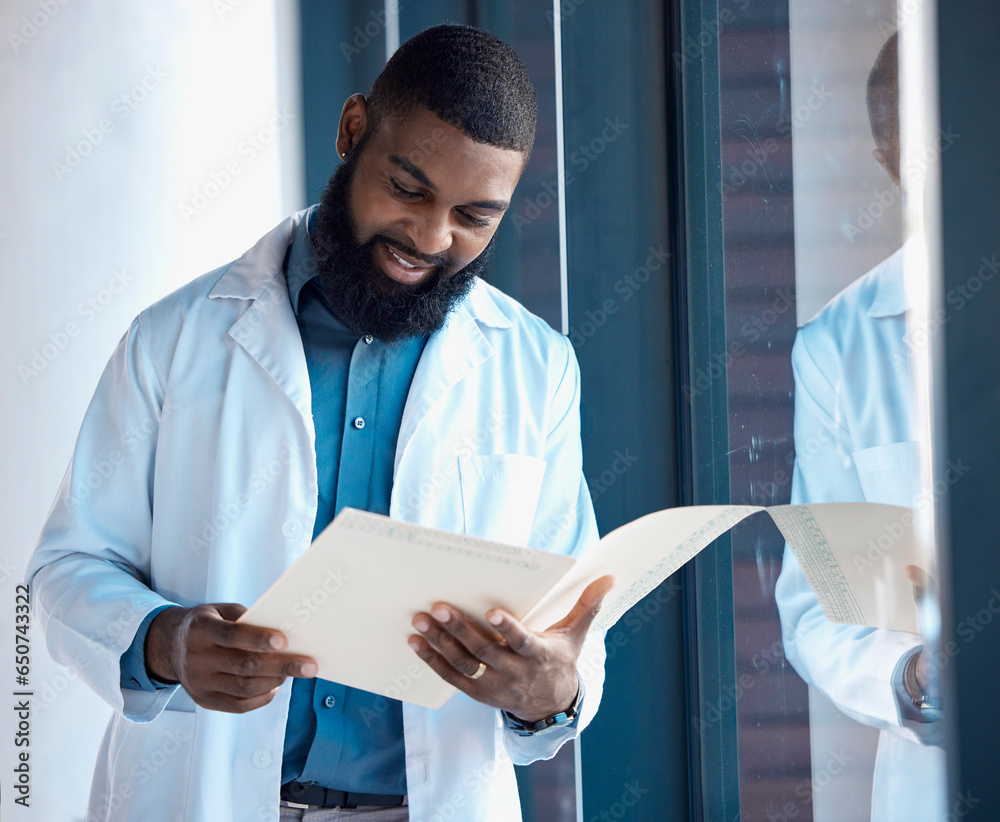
(349, 599)
(854, 556)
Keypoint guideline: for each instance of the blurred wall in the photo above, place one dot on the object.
(142, 145)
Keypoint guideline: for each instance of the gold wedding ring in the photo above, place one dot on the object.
(479, 671)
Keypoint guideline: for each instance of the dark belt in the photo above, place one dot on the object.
(302, 793)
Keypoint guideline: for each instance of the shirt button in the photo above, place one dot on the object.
(359, 422)
(369, 339)
(329, 701)
(261, 758)
(291, 529)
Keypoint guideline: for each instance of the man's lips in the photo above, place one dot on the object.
(400, 266)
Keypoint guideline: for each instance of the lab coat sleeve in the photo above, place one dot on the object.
(564, 523)
(851, 665)
(90, 573)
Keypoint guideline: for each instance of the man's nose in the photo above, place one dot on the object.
(431, 233)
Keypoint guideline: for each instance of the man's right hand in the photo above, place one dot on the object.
(222, 664)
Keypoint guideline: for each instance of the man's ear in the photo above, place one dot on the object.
(353, 122)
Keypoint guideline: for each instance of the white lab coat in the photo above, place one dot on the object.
(856, 440)
(194, 480)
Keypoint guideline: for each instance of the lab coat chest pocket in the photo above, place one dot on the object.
(890, 474)
(500, 494)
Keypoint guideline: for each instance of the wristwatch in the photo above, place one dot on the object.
(922, 700)
(549, 723)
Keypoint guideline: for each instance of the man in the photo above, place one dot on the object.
(352, 357)
(856, 440)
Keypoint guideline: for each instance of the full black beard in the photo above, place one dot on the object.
(360, 294)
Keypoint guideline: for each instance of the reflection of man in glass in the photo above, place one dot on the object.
(855, 440)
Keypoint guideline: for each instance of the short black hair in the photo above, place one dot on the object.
(883, 100)
(468, 77)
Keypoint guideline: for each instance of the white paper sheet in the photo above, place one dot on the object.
(349, 599)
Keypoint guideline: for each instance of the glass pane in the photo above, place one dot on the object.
(834, 722)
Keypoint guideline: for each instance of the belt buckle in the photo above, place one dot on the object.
(297, 805)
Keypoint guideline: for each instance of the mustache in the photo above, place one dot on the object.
(444, 260)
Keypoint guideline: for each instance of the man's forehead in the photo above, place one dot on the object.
(424, 146)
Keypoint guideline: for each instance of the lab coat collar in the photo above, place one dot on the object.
(891, 299)
(248, 277)
(267, 329)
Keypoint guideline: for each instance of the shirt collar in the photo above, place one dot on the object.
(301, 266)
(891, 299)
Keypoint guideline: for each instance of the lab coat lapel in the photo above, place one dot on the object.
(449, 356)
(267, 330)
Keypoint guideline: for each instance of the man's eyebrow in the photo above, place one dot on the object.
(413, 171)
(423, 179)
(490, 205)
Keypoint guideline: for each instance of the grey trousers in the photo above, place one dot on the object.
(368, 813)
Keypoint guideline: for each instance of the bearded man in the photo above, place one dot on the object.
(352, 357)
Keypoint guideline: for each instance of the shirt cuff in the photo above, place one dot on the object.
(134, 676)
(576, 719)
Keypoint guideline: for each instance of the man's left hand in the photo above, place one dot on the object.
(529, 674)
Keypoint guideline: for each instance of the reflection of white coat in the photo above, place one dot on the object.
(855, 440)
(194, 480)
